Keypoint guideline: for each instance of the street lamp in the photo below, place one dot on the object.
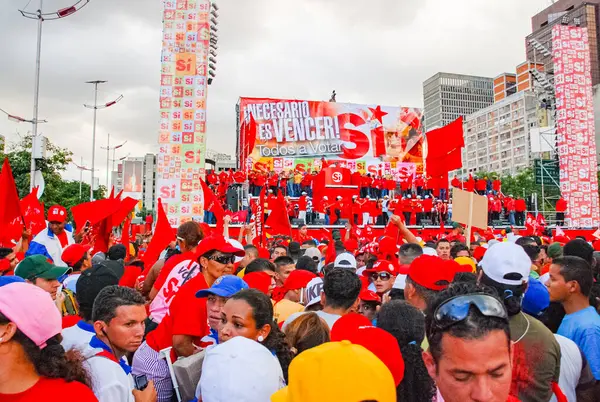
(41, 17)
(108, 149)
(95, 106)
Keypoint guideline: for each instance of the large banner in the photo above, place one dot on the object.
(575, 125)
(278, 134)
(183, 82)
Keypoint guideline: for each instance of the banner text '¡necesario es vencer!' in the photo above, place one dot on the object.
(292, 122)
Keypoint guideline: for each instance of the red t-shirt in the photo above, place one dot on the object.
(166, 269)
(302, 203)
(53, 390)
(63, 239)
(187, 316)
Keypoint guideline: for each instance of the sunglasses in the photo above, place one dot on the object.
(223, 259)
(384, 276)
(456, 310)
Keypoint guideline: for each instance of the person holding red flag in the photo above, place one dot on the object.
(51, 242)
(212, 178)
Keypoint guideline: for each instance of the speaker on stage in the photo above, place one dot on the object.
(233, 198)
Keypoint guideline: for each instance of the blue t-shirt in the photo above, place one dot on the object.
(583, 328)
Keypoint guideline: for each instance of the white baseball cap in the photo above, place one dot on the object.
(226, 377)
(313, 291)
(313, 253)
(345, 260)
(506, 263)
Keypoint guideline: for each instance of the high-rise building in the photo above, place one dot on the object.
(497, 137)
(573, 12)
(449, 96)
(136, 177)
(504, 85)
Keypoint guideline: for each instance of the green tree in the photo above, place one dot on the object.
(56, 189)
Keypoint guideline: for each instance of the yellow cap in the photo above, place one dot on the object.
(337, 371)
(467, 261)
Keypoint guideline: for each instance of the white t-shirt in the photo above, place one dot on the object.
(78, 336)
(330, 319)
(109, 381)
(570, 367)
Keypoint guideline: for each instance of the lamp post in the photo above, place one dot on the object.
(108, 149)
(95, 106)
(41, 17)
(81, 169)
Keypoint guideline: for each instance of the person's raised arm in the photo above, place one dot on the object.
(403, 230)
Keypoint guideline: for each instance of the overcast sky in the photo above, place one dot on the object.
(378, 51)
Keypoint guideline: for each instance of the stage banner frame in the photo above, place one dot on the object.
(183, 93)
(298, 134)
(576, 141)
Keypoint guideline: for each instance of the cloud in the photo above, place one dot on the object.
(374, 52)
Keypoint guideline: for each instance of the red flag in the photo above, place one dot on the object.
(439, 166)
(112, 192)
(94, 211)
(530, 225)
(260, 217)
(278, 219)
(163, 235)
(125, 235)
(442, 141)
(248, 133)
(212, 204)
(33, 213)
(11, 221)
(125, 207)
(541, 222)
(118, 196)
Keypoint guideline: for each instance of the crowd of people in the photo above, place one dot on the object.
(419, 201)
(348, 318)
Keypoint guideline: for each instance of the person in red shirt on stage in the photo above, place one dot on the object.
(212, 178)
(428, 207)
(496, 208)
(323, 208)
(419, 183)
(456, 183)
(260, 181)
(274, 183)
(561, 208)
(390, 187)
(283, 183)
(405, 186)
(306, 183)
(496, 186)
(509, 204)
(302, 207)
(239, 176)
(356, 210)
(469, 185)
(520, 208)
(480, 186)
(367, 182)
(149, 221)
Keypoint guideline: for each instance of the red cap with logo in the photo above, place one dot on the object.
(258, 280)
(382, 266)
(369, 295)
(219, 244)
(73, 253)
(431, 272)
(57, 213)
(298, 279)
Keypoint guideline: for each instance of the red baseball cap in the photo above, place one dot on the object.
(369, 295)
(73, 253)
(219, 244)
(388, 245)
(346, 324)
(351, 245)
(431, 272)
(57, 213)
(381, 343)
(382, 266)
(298, 279)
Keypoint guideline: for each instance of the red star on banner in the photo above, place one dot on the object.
(377, 113)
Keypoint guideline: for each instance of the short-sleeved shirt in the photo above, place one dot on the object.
(53, 390)
(187, 316)
(536, 359)
(583, 328)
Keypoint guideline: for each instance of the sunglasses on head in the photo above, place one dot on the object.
(223, 259)
(384, 276)
(457, 309)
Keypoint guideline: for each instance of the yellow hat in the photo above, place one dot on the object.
(337, 371)
(285, 308)
(467, 261)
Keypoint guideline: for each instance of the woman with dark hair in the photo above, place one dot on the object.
(249, 313)
(33, 364)
(407, 324)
